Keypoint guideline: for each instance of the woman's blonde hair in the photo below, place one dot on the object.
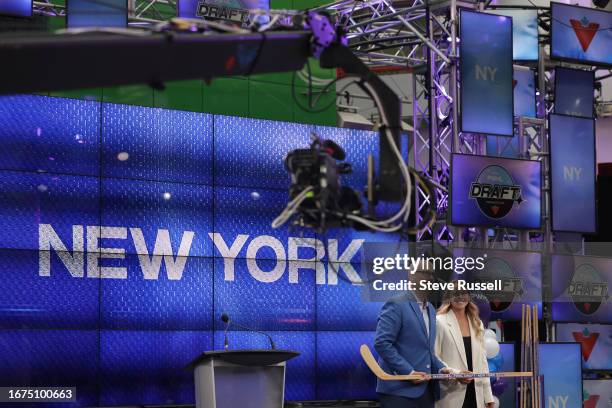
(471, 311)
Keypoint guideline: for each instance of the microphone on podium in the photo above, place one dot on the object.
(225, 319)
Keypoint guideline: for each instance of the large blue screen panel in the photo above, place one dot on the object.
(300, 375)
(486, 73)
(574, 92)
(581, 34)
(157, 218)
(157, 144)
(41, 358)
(157, 293)
(148, 367)
(561, 387)
(243, 212)
(40, 291)
(341, 373)
(572, 155)
(340, 305)
(53, 135)
(489, 191)
(40, 210)
(16, 8)
(96, 13)
(266, 294)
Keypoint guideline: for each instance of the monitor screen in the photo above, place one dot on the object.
(494, 192)
(581, 34)
(581, 289)
(574, 92)
(524, 33)
(524, 92)
(486, 73)
(597, 393)
(507, 398)
(520, 276)
(96, 13)
(16, 8)
(572, 155)
(562, 387)
(237, 11)
(595, 340)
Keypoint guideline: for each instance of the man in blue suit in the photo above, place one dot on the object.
(405, 338)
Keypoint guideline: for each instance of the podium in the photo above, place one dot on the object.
(240, 378)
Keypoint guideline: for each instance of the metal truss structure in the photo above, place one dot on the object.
(140, 11)
(423, 38)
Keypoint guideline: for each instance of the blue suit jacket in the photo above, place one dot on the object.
(403, 345)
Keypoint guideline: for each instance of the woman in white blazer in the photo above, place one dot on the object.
(460, 344)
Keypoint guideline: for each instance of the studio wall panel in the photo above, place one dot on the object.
(148, 367)
(153, 292)
(47, 290)
(266, 294)
(43, 134)
(157, 217)
(40, 209)
(156, 144)
(48, 358)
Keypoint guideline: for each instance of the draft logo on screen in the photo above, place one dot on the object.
(216, 11)
(587, 289)
(512, 284)
(495, 192)
(585, 31)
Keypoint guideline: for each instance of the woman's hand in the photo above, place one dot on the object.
(490, 405)
(465, 380)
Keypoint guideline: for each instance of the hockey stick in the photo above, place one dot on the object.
(372, 364)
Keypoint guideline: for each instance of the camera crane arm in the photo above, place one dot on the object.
(43, 62)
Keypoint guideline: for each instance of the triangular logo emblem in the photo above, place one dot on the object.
(587, 343)
(591, 402)
(585, 31)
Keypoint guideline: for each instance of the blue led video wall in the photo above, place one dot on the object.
(136, 228)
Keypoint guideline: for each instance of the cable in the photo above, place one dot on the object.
(291, 208)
